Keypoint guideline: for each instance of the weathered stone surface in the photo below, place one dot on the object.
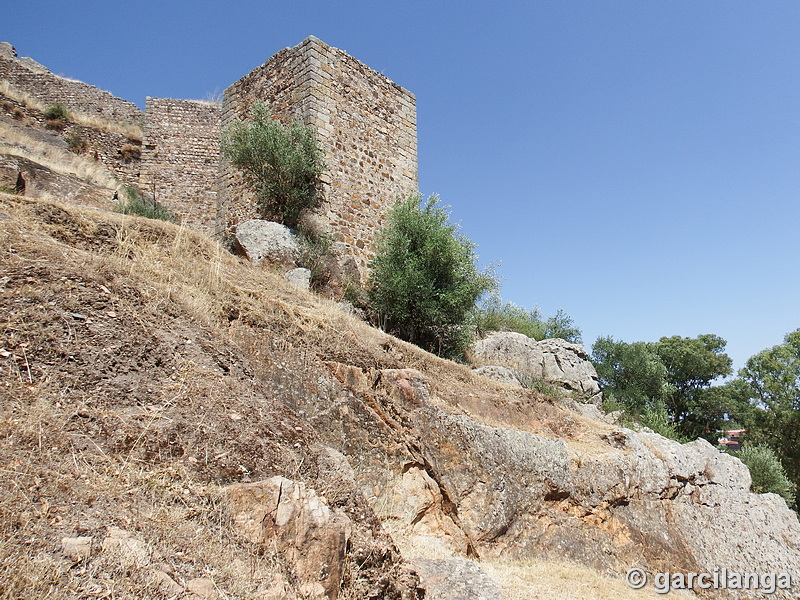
(7, 50)
(501, 374)
(28, 76)
(32, 179)
(299, 277)
(445, 482)
(455, 579)
(181, 157)
(201, 588)
(552, 360)
(76, 548)
(265, 241)
(128, 549)
(283, 515)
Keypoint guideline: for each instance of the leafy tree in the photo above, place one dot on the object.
(771, 380)
(631, 373)
(281, 164)
(424, 281)
(692, 364)
(670, 377)
(562, 326)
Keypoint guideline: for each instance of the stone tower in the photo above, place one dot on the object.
(365, 123)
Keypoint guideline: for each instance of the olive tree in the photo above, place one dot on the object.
(424, 280)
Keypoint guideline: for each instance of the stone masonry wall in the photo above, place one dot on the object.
(36, 81)
(180, 158)
(365, 123)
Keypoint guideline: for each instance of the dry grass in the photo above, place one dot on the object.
(540, 580)
(130, 130)
(15, 141)
(78, 459)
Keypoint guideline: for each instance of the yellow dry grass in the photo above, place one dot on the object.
(176, 270)
(130, 130)
(16, 141)
(542, 580)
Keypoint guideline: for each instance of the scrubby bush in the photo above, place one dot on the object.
(424, 282)
(56, 111)
(135, 204)
(281, 164)
(495, 315)
(55, 116)
(76, 142)
(766, 471)
(130, 151)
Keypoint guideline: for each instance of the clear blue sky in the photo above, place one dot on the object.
(636, 163)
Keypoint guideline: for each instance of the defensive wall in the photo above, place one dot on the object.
(35, 80)
(180, 158)
(365, 124)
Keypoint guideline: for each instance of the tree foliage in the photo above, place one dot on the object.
(424, 280)
(281, 164)
(691, 365)
(770, 381)
(670, 377)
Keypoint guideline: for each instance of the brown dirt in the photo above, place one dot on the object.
(143, 367)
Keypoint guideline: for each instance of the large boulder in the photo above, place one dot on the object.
(266, 241)
(553, 360)
(283, 515)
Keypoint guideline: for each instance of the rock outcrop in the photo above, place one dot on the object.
(461, 487)
(265, 241)
(285, 516)
(455, 579)
(553, 360)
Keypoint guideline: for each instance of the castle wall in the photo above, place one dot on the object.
(77, 96)
(365, 123)
(180, 158)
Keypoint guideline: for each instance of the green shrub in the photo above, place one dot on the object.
(135, 204)
(766, 471)
(495, 315)
(56, 111)
(424, 281)
(282, 165)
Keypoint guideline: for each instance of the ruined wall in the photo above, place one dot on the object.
(180, 158)
(28, 76)
(366, 124)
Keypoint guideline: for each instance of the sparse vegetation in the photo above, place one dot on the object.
(134, 203)
(766, 471)
(76, 142)
(132, 130)
(56, 116)
(15, 141)
(56, 111)
(281, 164)
(424, 281)
(131, 152)
(495, 315)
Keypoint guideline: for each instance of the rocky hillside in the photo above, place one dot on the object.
(176, 422)
(154, 386)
